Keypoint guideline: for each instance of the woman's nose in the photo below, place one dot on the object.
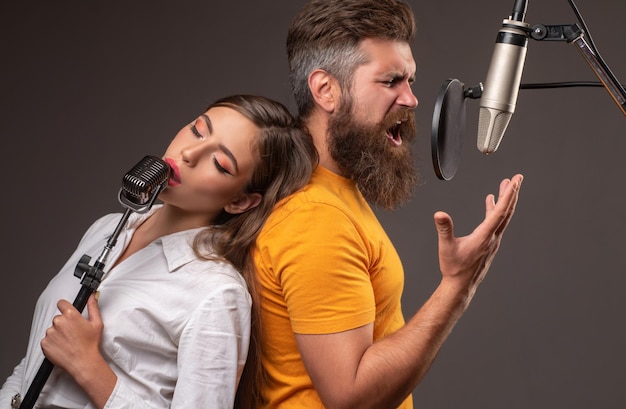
(192, 153)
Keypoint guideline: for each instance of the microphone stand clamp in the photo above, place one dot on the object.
(91, 275)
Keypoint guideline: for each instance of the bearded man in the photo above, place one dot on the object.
(333, 332)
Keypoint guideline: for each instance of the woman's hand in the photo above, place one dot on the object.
(73, 344)
(73, 340)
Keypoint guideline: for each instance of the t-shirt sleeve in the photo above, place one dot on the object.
(319, 258)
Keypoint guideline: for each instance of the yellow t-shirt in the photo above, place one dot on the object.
(324, 265)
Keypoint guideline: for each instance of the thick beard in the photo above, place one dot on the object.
(385, 174)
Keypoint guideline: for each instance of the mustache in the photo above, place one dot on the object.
(399, 115)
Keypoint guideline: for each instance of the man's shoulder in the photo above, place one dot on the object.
(313, 197)
(327, 203)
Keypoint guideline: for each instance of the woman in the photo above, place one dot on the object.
(174, 320)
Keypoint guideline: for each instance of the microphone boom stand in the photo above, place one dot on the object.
(447, 136)
(573, 34)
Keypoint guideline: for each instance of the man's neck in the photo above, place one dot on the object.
(317, 125)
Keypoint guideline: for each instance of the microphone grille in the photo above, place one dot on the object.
(144, 181)
(491, 126)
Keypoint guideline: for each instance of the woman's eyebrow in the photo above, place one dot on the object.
(207, 120)
(228, 153)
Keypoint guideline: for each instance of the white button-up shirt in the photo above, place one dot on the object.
(176, 328)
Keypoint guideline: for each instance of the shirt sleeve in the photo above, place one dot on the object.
(17, 379)
(211, 356)
(213, 350)
(12, 385)
(320, 260)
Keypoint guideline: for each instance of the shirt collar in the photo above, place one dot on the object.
(177, 247)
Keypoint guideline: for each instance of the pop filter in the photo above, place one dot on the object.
(448, 128)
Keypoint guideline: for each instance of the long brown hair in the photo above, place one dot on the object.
(286, 158)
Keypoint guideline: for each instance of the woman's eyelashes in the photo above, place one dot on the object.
(194, 130)
(198, 134)
(201, 127)
(219, 167)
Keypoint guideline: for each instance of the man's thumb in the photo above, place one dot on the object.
(443, 223)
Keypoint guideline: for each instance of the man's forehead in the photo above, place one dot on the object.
(391, 56)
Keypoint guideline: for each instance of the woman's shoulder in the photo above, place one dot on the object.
(102, 226)
(214, 273)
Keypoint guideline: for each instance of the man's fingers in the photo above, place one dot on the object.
(497, 214)
(511, 203)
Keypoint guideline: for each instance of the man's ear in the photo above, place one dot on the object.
(243, 203)
(325, 90)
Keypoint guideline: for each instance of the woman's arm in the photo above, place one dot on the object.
(12, 385)
(213, 349)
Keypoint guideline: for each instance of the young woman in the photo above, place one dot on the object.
(175, 320)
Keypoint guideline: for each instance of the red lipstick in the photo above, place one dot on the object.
(175, 174)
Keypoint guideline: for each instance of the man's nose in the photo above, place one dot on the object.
(407, 98)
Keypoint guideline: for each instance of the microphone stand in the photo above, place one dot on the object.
(141, 186)
(91, 278)
(572, 34)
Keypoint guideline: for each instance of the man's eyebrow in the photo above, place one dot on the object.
(230, 155)
(397, 75)
(207, 120)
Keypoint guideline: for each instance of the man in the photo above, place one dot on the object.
(331, 281)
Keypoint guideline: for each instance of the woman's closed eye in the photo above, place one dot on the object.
(202, 126)
(194, 130)
(219, 167)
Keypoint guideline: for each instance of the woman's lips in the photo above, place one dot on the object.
(175, 174)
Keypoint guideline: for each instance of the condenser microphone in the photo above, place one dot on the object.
(142, 184)
(501, 87)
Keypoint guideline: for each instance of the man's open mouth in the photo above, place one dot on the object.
(393, 134)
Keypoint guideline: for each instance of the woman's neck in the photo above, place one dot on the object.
(169, 219)
(164, 221)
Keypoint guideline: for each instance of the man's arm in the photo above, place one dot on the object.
(349, 370)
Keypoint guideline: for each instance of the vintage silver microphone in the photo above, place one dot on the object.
(143, 183)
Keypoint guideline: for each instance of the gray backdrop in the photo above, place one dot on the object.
(89, 88)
